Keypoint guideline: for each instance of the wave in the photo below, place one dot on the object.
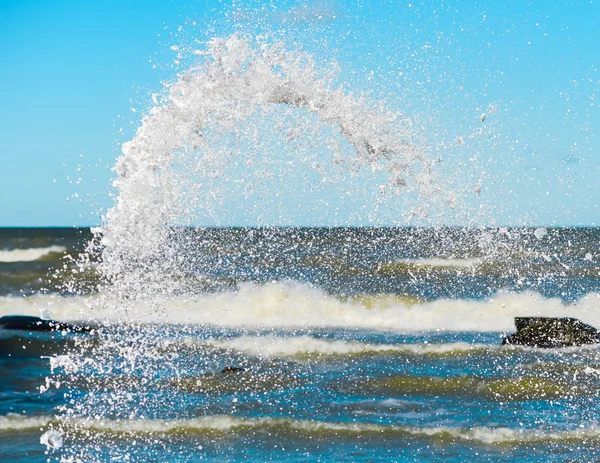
(291, 305)
(15, 422)
(218, 424)
(28, 255)
(502, 436)
(435, 262)
(277, 346)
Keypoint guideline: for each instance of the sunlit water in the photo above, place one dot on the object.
(355, 345)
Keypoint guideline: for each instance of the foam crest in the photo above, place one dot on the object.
(291, 305)
(500, 436)
(453, 263)
(275, 346)
(15, 422)
(225, 423)
(28, 255)
(53, 306)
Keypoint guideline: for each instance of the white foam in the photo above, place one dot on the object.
(454, 263)
(290, 305)
(51, 306)
(28, 255)
(275, 346)
(294, 306)
(12, 421)
(226, 423)
(52, 439)
(502, 435)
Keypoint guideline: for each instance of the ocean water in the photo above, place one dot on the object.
(353, 344)
(290, 343)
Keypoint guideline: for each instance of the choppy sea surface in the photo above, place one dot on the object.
(350, 344)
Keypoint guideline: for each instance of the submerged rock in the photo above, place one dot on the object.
(232, 370)
(29, 323)
(552, 332)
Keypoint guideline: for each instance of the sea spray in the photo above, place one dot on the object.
(141, 247)
(237, 76)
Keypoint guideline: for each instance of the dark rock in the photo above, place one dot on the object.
(28, 323)
(552, 332)
(232, 370)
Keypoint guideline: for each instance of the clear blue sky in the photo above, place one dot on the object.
(71, 72)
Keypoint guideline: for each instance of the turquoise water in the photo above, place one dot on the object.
(351, 345)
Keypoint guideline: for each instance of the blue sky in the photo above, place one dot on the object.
(72, 72)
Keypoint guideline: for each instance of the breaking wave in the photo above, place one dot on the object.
(294, 305)
(216, 424)
(28, 255)
(453, 263)
(15, 422)
(274, 346)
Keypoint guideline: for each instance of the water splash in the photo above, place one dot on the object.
(236, 78)
(180, 142)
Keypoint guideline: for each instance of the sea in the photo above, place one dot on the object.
(303, 344)
(276, 342)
